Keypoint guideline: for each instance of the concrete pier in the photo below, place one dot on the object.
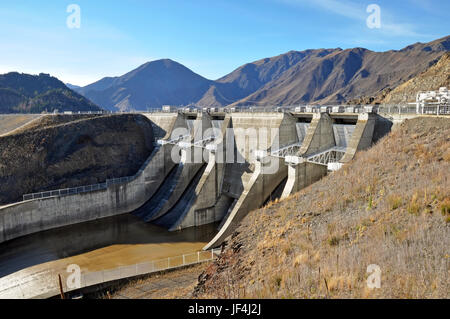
(362, 136)
(301, 174)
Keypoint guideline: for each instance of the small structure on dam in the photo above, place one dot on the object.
(207, 167)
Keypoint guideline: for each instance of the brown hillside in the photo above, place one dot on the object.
(60, 153)
(389, 207)
(432, 79)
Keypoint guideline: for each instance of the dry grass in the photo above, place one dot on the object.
(389, 207)
(9, 123)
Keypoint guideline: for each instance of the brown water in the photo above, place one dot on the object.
(101, 244)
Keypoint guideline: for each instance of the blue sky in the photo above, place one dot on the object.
(210, 37)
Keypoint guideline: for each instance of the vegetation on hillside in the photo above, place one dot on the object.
(24, 93)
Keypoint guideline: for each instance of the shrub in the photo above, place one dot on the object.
(334, 241)
(445, 207)
(395, 201)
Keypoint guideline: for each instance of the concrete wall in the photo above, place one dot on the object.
(302, 175)
(238, 174)
(362, 136)
(319, 136)
(255, 193)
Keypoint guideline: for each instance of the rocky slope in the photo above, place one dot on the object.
(60, 152)
(24, 93)
(438, 75)
(432, 79)
(390, 207)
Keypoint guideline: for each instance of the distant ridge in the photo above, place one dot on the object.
(296, 77)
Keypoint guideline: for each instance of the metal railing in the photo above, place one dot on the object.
(46, 284)
(89, 188)
(123, 272)
(65, 191)
(399, 108)
(443, 109)
(288, 150)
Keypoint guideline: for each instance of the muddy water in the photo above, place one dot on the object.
(102, 244)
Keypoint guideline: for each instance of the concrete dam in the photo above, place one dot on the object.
(208, 167)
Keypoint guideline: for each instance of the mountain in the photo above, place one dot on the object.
(150, 86)
(251, 77)
(343, 75)
(24, 93)
(322, 76)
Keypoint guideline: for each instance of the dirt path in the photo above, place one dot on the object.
(171, 285)
(11, 123)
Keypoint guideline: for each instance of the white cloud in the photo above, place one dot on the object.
(357, 12)
(341, 8)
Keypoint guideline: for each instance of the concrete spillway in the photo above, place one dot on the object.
(209, 188)
(157, 201)
(301, 128)
(342, 134)
(186, 200)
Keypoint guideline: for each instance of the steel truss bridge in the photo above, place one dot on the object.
(332, 155)
(290, 150)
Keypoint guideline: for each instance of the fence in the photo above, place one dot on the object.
(90, 188)
(46, 285)
(401, 108)
(381, 108)
(80, 189)
(95, 278)
(65, 191)
(442, 109)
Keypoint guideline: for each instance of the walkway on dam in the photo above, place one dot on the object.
(179, 283)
